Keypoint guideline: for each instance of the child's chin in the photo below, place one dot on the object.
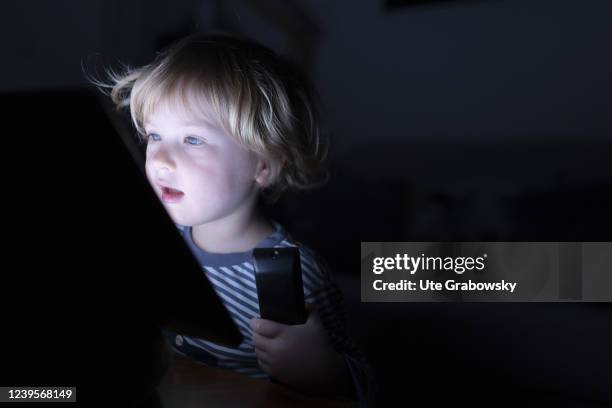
(189, 221)
(176, 218)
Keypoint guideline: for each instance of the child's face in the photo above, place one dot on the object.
(214, 175)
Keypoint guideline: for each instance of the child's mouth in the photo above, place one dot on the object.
(170, 195)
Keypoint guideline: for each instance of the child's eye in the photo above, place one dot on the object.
(153, 137)
(194, 141)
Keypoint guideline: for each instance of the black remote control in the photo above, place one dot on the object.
(278, 276)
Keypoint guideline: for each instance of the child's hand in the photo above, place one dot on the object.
(298, 355)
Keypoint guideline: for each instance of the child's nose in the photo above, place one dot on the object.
(163, 160)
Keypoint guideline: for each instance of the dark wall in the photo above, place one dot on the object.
(462, 69)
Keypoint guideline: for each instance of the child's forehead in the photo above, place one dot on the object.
(188, 112)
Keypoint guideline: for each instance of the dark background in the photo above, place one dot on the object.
(449, 120)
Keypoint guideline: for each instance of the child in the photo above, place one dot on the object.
(228, 123)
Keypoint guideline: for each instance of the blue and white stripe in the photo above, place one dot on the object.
(233, 279)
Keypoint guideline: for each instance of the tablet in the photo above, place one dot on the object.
(88, 237)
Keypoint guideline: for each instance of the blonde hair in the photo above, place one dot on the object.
(259, 98)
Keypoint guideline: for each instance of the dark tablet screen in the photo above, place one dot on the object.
(91, 256)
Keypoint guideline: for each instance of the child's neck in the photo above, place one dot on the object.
(232, 235)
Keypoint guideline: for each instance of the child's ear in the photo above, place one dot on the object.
(262, 172)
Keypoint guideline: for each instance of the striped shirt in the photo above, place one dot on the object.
(232, 276)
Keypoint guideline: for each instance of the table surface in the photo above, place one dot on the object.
(188, 383)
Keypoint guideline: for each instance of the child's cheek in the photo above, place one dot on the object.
(206, 177)
(225, 186)
(219, 174)
(150, 173)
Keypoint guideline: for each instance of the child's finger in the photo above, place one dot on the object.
(266, 328)
(262, 343)
(269, 369)
(262, 355)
